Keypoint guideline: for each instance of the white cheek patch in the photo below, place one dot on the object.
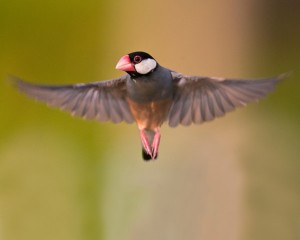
(145, 66)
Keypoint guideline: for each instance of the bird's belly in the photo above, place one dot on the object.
(150, 115)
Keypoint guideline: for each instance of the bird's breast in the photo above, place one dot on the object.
(150, 115)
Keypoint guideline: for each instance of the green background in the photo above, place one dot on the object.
(65, 178)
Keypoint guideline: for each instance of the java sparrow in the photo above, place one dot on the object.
(150, 94)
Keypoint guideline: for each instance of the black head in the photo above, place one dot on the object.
(137, 64)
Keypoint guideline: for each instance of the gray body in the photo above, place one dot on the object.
(155, 86)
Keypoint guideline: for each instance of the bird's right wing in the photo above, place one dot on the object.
(103, 100)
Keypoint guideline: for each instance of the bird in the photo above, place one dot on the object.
(149, 95)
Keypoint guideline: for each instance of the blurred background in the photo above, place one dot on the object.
(65, 178)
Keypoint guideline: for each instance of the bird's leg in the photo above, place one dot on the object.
(145, 142)
(155, 143)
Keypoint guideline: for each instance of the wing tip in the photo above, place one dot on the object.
(13, 79)
(285, 75)
(17, 82)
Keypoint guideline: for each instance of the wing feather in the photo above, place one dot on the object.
(199, 99)
(103, 100)
(196, 112)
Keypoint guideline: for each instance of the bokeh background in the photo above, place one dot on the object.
(237, 177)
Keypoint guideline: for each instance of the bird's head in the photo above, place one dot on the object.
(137, 64)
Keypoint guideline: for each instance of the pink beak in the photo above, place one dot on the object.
(125, 64)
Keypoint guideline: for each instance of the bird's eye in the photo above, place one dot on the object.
(137, 59)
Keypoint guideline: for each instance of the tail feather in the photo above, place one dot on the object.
(146, 156)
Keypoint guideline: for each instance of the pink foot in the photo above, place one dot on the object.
(155, 144)
(146, 143)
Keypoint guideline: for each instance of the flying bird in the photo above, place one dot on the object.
(150, 94)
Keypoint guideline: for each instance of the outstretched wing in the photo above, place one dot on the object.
(199, 99)
(103, 100)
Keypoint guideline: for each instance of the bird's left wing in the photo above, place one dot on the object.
(199, 99)
(103, 100)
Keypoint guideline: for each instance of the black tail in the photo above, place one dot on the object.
(146, 156)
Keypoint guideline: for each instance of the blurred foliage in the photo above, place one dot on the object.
(274, 186)
(66, 178)
(50, 168)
